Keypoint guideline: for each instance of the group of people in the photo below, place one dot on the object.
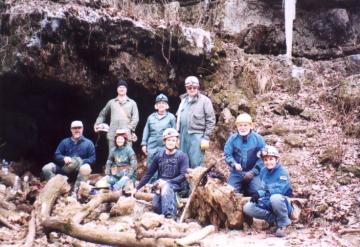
(172, 145)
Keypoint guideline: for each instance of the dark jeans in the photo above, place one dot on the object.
(165, 203)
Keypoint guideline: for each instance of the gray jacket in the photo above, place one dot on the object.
(123, 115)
(201, 116)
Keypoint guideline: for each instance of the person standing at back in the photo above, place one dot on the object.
(123, 111)
(195, 122)
(240, 152)
(155, 125)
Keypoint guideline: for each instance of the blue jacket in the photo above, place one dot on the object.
(275, 181)
(238, 150)
(84, 149)
(171, 168)
(153, 130)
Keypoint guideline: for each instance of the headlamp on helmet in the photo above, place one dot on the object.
(161, 97)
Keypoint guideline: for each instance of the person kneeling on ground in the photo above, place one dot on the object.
(171, 165)
(121, 164)
(74, 154)
(271, 202)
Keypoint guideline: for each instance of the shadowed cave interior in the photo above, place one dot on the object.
(36, 115)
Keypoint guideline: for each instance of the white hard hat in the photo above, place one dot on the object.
(170, 132)
(103, 127)
(268, 151)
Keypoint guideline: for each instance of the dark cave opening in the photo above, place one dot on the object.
(35, 116)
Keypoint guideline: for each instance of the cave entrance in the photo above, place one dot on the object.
(35, 116)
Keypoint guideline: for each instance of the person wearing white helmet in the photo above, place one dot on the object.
(195, 122)
(123, 112)
(240, 154)
(271, 201)
(121, 164)
(156, 123)
(75, 154)
(171, 165)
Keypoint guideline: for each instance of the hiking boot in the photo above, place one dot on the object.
(295, 214)
(280, 232)
(169, 216)
(272, 228)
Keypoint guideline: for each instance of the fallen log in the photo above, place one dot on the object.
(102, 235)
(55, 187)
(124, 206)
(6, 205)
(31, 231)
(10, 215)
(194, 187)
(216, 202)
(143, 233)
(94, 203)
(6, 223)
(195, 237)
(349, 230)
(144, 196)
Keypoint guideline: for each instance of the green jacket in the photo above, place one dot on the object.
(123, 115)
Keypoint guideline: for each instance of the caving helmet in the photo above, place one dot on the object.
(170, 132)
(122, 132)
(103, 127)
(268, 150)
(161, 97)
(244, 118)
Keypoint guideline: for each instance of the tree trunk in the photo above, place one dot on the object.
(94, 203)
(102, 235)
(55, 187)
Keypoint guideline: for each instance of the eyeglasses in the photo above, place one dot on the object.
(76, 128)
(191, 88)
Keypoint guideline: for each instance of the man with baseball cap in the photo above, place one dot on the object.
(123, 113)
(74, 154)
(195, 122)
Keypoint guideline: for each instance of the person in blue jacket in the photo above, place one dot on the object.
(240, 153)
(155, 125)
(271, 201)
(75, 154)
(171, 165)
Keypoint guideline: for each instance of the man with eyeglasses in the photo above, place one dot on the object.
(74, 154)
(195, 122)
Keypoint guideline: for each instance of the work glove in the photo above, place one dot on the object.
(204, 144)
(255, 197)
(248, 176)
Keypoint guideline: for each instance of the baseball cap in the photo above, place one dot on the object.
(76, 123)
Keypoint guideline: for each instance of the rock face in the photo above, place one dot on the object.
(61, 59)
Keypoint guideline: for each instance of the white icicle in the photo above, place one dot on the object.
(290, 12)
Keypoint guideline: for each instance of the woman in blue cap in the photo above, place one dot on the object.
(155, 125)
